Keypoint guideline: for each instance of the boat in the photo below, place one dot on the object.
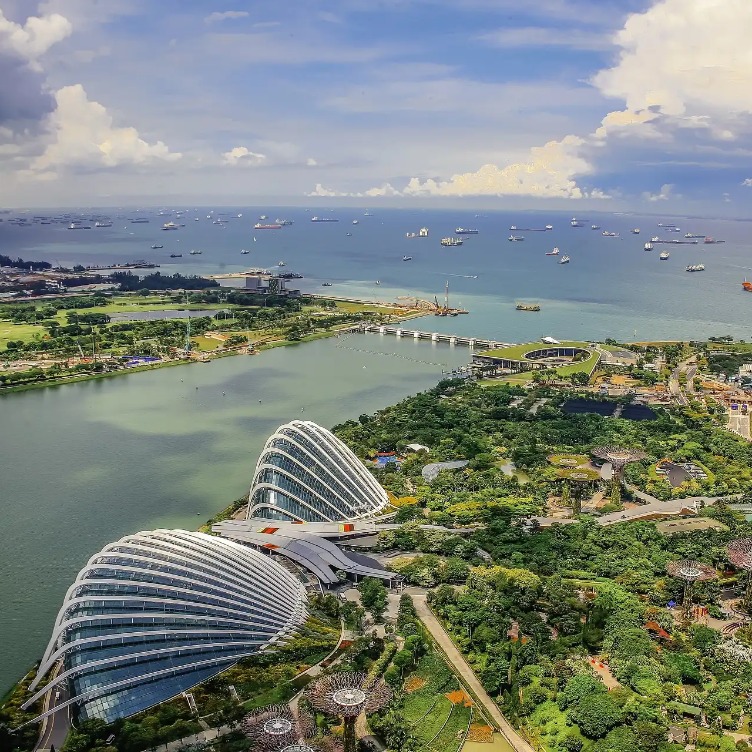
(452, 242)
(549, 227)
(554, 252)
(176, 255)
(655, 239)
(665, 224)
(272, 226)
(324, 219)
(348, 234)
(196, 253)
(356, 221)
(712, 241)
(574, 222)
(423, 232)
(513, 227)
(139, 221)
(262, 217)
(595, 227)
(636, 231)
(283, 222)
(244, 252)
(326, 284)
(696, 268)
(169, 226)
(607, 234)
(664, 256)
(527, 307)
(515, 238)
(76, 226)
(378, 282)
(411, 235)
(564, 260)
(693, 235)
(648, 246)
(465, 231)
(281, 263)
(96, 224)
(367, 214)
(156, 247)
(747, 286)
(407, 258)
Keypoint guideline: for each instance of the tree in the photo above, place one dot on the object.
(596, 715)
(373, 596)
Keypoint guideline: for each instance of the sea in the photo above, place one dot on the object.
(612, 288)
(83, 464)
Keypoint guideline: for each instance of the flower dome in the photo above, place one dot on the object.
(156, 613)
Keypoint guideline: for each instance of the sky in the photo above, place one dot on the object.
(642, 105)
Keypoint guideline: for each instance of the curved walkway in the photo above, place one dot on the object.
(466, 673)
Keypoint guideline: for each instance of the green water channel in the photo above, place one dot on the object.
(83, 464)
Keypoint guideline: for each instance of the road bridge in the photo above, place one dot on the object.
(452, 339)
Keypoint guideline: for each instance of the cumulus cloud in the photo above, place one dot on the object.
(747, 182)
(666, 193)
(84, 135)
(322, 192)
(31, 40)
(226, 15)
(241, 156)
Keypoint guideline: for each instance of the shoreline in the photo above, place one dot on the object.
(209, 356)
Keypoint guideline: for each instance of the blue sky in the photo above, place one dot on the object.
(609, 104)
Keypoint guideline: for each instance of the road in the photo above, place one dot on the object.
(55, 727)
(463, 670)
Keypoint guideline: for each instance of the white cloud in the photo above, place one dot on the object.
(34, 38)
(226, 15)
(320, 191)
(542, 36)
(597, 193)
(747, 182)
(311, 162)
(84, 136)
(666, 193)
(243, 157)
(384, 190)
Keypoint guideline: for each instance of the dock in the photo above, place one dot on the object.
(452, 339)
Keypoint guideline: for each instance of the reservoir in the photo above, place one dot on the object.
(84, 464)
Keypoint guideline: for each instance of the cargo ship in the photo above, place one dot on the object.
(712, 241)
(465, 231)
(324, 219)
(272, 226)
(696, 268)
(452, 242)
(564, 260)
(693, 235)
(554, 252)
(169, 226)
(574, 222)
(527, 307)
(664, 256)
(515, 238)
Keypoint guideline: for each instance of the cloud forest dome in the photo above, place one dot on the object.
(307, 474)
(155, 613)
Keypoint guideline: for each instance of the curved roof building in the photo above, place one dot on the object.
(306, 474)
(156, 613)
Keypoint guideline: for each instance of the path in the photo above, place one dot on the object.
(467, 675)
(738, 422)
(55, 727)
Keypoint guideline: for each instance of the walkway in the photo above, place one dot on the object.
(464, 671)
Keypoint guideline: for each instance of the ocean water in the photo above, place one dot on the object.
(611, 288)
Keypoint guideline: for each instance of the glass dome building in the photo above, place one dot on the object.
(158, 612)
(306, 474)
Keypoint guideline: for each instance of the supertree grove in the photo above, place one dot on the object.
(690, 572)
(740, 555)
(619, 458)
(346, 695)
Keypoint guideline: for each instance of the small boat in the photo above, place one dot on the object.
(196, 253)
(747, 286)
(636, 231)
(664, 256)
(595, 227)
(356, 221)
(407, 258)
(549, 227)
(156, 247)
(281, 263)
(176, 255)
(170, 226)
(564, 260)
(513, 227)
(648, 246)
(411, 235)
(263, 216)
(696, 268)
(378, 282)
(515, 238)
(244, 252)
(574, 222)
(348, 234)
(527, 307)
(326, 284)
(554, 252)
(283, 222)
(607, 234)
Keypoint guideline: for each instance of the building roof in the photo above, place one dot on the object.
(155, 613)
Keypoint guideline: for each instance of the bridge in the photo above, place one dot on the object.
(452, 339)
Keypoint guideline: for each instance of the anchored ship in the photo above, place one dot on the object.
(465, 231)
(527, 307)
(324, 219)
(564, 260)
(452, 241)
(554, 252)
(696, 268)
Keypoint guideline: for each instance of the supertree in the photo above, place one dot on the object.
(271, 728)
(740, 555)
(690, 571)
(619, 457)
(346, 695)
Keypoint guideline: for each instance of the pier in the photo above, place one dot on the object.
(453, 339)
